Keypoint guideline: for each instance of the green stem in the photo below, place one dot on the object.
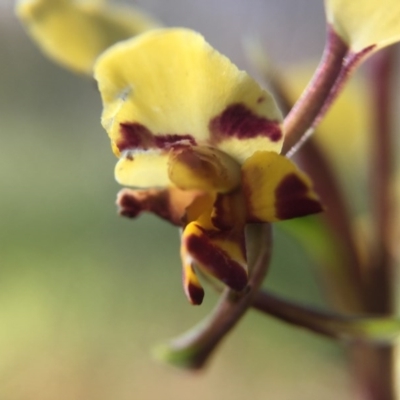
(358, 328)
(193, 349)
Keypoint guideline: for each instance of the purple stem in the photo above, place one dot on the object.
(307, 108)
(336, 67)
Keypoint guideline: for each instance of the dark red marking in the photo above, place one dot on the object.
(217, 262)
(223, 217)
(260, 99)
(232, 234)
(134, 136)
(292, 199)
(195, 293)
(137, 136)
(133, 203)
(239, 121)
(227, 212)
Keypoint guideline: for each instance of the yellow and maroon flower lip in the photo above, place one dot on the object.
(220, 254)
(74, 33)
(201, 139)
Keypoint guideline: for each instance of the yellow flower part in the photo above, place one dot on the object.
(203, 168)
(202, 138)
(220, 253)
(75, 33)
(267, 172)
(365, 23)
(170, 87)
(129, 169)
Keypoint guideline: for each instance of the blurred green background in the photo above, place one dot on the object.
(84, 294)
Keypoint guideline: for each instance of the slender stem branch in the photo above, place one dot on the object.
(307, 108)
(335, 69)
(194, 348)
(359, 327)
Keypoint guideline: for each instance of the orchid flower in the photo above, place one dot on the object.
(203, 146)
(202, 139)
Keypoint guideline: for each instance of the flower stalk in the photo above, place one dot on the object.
(348, 328)
(337, 65)
(301, 118)
(194, 348)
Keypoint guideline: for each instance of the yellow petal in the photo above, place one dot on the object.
(143, 169)
(178, 88)
(218, 253)
(364, 23)
(275, 189)
(200, 210)
(74, 33)
(204, 168)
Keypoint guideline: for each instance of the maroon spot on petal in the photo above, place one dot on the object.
(240, 122)
(229, 234)
(292, 199)
(195, 294)
(217, 262)
(222, 214)
(137, 136)
(134, 136)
